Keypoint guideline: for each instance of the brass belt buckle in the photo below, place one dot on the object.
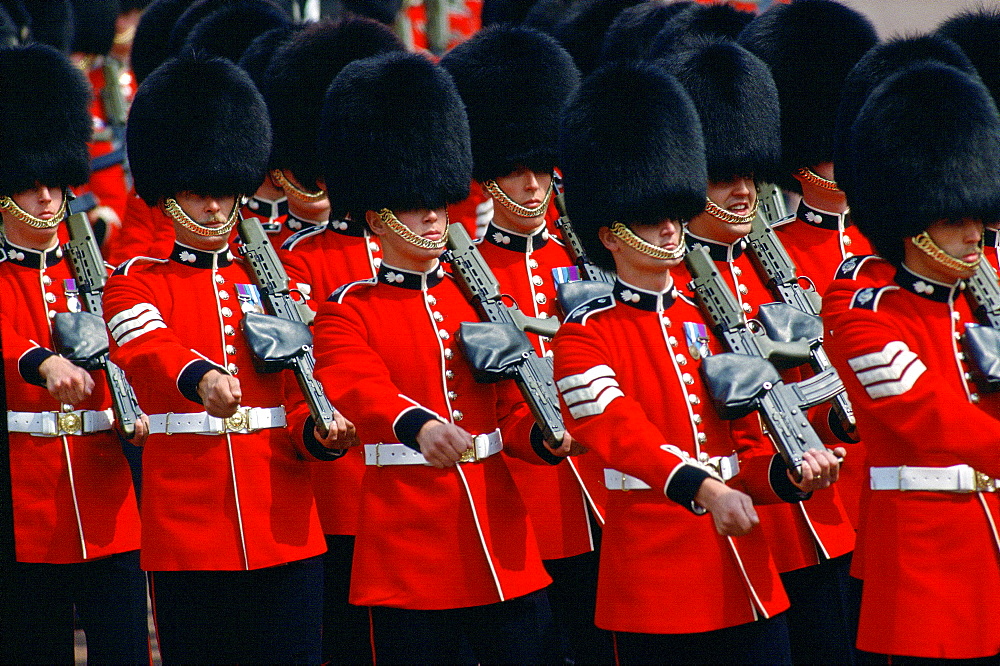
(470, 455)
(70, 423)
(984, 483)
(238, 421)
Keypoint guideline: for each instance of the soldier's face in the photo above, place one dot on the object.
(40, 201)
(957, 238)
(736, 196)
(666, 235)
(208, 211)
(526, 188)
(399, 252)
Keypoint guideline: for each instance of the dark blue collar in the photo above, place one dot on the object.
(295, 224)
(348, 227)
(267, 208)
(36, 259)
(927, 288)
(719, 251)
(644, 300)
(515, 242)
(398, 277)
(822, 219)
(189, 256)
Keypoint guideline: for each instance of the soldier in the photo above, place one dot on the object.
(231, 535)
(74, 513)
(927, 543)
(673, 586)
(514, 125)
(445, 553)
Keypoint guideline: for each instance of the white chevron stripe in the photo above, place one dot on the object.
(904, 384)
(135, 321)
(883, 357)
(576, 381)
(589, 393)
(132, 335)
(595, 407)
(891, 372)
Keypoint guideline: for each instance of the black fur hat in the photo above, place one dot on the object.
(44, 120)
(51, 22)
(977, 33)
(94, 25)
(296, 81)
(581, 30)
(394, 134)
(873, 68)
(197, 124)
(738, 106)
(514, 83)
(924, 157)
(150, 44)
(510, 12)
(257, 56)
(229, 30)
(696, 21)
(639, 162)
(634, 29)
(810, 46)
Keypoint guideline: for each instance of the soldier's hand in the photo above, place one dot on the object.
(141, 431)
(341, 435)
(731, 510)
(820, 468)
(220, 393)
(67, 383)
(568, 447)
(442, 444)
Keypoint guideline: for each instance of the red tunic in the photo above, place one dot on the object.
(272, 216)
(556, 501)
(930, 560)
(319, 260)
(428, 538)
(73, 495)
(230, 501)
(627, 371)
(146, 232)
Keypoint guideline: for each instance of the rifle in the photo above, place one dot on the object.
(498, 347)
(116, 112)
(82, 337)
(982, 343)
(742, 381)
(286, 344)
(596, 281)
(771, 260)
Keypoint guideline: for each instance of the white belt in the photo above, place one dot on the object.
(726, 466)
(245, 420)
(380, 455)
(954, 479)
(51, 424)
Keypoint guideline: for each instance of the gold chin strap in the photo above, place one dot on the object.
(516, 208)
(177, 213)
(293, 190)
(19, 213)
(629, 238)
(401, 230)
(715, 210)
(927, 245)
(811, 176)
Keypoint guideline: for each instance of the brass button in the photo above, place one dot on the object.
(457, 415)
(448, 353)
(232, 369)
(226, 312)
(50, 297)
(224, 295)
(537, 280)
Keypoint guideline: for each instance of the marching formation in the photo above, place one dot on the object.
(620, 332)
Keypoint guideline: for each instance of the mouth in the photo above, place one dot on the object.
(531, 203)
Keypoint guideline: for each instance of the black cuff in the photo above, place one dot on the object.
(684, 486)
(313, 445)
(187, 383)
(837, 428)
(409, 424)
(28, 365)
(782, 485)
(538, 444)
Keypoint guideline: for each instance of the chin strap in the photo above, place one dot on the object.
(174, 210)
(401, 230)
(926, 244)
(19, 213)
(516, 208)
(715, 210)
(628, 237)
(293, 190)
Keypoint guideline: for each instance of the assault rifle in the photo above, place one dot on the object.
(116, 113)
(284, 339)
(82, 337)
(596, 281)
(771, 259)
(498, 347)
(747, 379)
(982, 343)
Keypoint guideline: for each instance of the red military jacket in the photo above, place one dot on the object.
(428, 538)
(272, 216)
(556, 499)
(319, 260)
(930, 560)
(146, 232)
(230, 501)
(73, 495)
(627, 370)
(804, 533)
(817, 241)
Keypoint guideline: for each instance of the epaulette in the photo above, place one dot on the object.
(850, 267)
(292, 240)
(581, 312)
(868, 298)
(339, 292)
(125, 266)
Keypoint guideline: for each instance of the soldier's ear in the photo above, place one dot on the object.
(609, 240)
(375, 223)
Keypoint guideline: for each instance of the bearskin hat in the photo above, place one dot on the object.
(810, 46)
(581, 30)
(718, 20)
(510, 12)
(544, 15)
(197, 124)
(394, 134)
(94, 25)
(977, 33)
(640, 162)
(257, 56)
(923, 157)
(514, 83)
(228, 31)
(632, 33)
(51, 22)
(873, 68)
(150, 44)
(44, 129)
(296, 81)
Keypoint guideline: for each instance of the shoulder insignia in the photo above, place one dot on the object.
(127, 265)
(581, 312)
(338, 294)
(292, 240)
(868, 298)
(850, 267)
(890, 372)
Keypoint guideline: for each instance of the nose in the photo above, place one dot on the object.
(431, 217)
(212, 205)
(742, 186)
(670, 227)
(44, 194)
(531, 181)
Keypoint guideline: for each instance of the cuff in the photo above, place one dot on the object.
(684, 485)
(28, 364)
(409, 424)
(782, 485)
(538, 444)
(314, 446)
(187, 383)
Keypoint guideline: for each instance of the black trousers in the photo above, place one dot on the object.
(508, 632)
(264, 616)
(346, 628)
(761, 642)
(38, 602)
(573, 598)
